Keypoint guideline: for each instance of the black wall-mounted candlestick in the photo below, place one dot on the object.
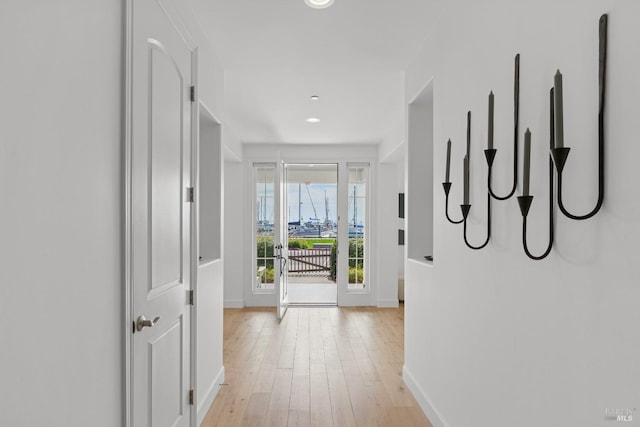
(560, 154)
(525, 201)
(467, 206)
(465, 213)
(489, 154)
(447, 189)
(516, 115)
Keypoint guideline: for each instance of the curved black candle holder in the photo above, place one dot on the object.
(560, 154)
(525, 201)
(489, 154)
(558, 157)
(465, 213)
(447, 189)
(516, 115)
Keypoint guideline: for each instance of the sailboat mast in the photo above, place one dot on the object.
(355, 207)
(299, 204)
(326, 208)
(264, 202)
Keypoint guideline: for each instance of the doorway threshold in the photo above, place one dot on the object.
(312, 304)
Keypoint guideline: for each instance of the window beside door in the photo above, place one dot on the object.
(265, 175)
(357, 202)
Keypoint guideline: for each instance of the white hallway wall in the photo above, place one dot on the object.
(234, 264)
(60, 176)
(392, 183)
(388, 235)
(392, 152)
(61, 299)
(493, 338)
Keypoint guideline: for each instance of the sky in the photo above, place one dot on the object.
(300, 193)
(317, 192)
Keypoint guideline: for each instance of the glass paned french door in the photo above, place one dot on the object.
(270, 231)
(312, 233)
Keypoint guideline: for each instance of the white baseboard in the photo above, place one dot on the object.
(422, 398)
(208, 398)
(388, 303)
(233, 303)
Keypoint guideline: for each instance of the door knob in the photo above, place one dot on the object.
(142, 322)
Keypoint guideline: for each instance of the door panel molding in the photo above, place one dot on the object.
(167, 153)
(156, 365)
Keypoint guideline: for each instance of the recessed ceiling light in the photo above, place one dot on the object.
(318, 4)
(314, 97)
(313, 120)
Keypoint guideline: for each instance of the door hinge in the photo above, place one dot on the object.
(190, 397)
(190, 195)
(191, 297)
(193, 93)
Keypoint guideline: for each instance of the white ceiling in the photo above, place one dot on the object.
(316, 173)
(277, 53)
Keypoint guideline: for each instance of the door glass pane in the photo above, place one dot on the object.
(357, 219)
(264, 231)
(312, 194)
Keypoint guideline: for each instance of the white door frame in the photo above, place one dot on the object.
(195, 232)
(345, 297)
(338, 203)
(281, 238)
(128, 314)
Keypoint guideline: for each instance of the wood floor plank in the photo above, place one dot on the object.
(300, 401)
(406, 416)
(256, 408)
(341, 410)
(317, 367)
(277, 414)
(320, 412)
(265, 378)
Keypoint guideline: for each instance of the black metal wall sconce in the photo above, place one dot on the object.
(526, 199)
(490, 153)
(447, 189)
(446, 185)
(489, 156)
(558, 156)
(466, 206)
(560, 152)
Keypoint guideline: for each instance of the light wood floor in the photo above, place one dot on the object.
(318, 367)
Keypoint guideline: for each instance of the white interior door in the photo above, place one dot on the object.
(281, 242)
(161, 142)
